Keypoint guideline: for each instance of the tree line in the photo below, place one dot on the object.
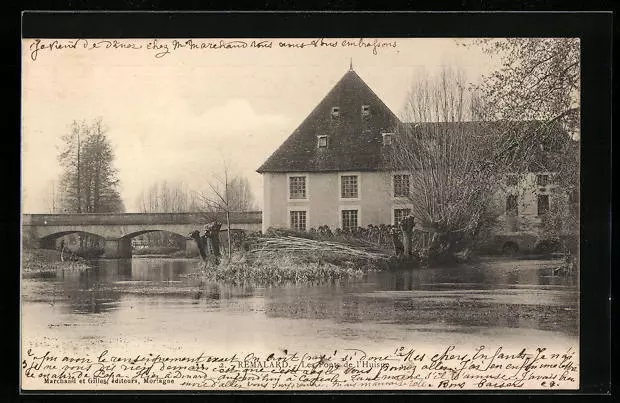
(226, 193)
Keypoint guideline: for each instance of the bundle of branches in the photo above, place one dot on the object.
(287, 232)
(294, 244)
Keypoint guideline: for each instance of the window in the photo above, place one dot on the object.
(322, 141)
(335, 111)
(348, 187)
(387, 139)
(399, 214)
(298, 220)
(512, 180)
(365, 110)
(297, 187)
(401, 185)
(542, 180)
(512, 206)
(543, 204)
(349, 219)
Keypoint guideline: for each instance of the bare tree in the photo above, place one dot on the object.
(52, 197)
(241, 196)
(163, 197)
(446, 157)
(226, 193)
(218, 198)
(166, 197)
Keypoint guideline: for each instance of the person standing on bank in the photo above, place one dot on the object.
(62, 250)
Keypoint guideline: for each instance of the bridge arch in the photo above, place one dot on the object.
(118, 228)
(49, 241)
(148, 231)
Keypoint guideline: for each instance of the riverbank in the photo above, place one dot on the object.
(45, 261)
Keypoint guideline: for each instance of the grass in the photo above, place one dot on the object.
(43, 261)
(284, 268)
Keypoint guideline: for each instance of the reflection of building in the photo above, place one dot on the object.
(333, 169)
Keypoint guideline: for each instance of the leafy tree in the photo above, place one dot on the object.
(539, 80)
(89, 182)
(71, 160)
(101, 192)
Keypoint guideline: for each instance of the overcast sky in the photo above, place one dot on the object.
(176, 117)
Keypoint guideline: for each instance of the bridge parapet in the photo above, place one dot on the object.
(118, 229)
(250, 217)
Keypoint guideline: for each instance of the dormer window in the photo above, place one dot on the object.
(365, 110)
(387, 139)
(335, 111)
(321, 141)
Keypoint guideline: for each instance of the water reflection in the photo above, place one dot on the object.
(462, 299)
(86, 292)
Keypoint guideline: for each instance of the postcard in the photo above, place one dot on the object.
(292, 214)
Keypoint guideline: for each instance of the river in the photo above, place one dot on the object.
(151, 302)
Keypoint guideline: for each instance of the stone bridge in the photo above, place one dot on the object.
(42, 230)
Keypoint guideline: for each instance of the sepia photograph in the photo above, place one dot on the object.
(269, 214)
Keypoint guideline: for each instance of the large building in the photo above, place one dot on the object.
(331, 170)
(334, 170)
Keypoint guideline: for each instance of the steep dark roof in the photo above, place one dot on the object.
(354, 142)
(544, 142)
